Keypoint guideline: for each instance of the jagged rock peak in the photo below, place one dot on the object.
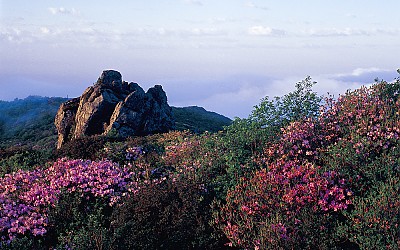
(110, 77)
(112, 104)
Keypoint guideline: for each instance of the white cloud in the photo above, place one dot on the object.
(362, 71)
(221, 20)
(255, 6)
(205, 32)
(16, 35)
(325, 84)
(337, 32)
(351, 15)
(332, 86)
(366, 75)
(341, 82)
(233, 103)
(260, 30)
(182, 33)
(45, 30)
(63, 11)
(194, 2)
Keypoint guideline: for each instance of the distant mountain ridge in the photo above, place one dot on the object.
(198, 119)
(31, 120)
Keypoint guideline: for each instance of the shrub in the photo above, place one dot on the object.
(289, 205)
(173, 214)
(27, 197)
(355, 142)
(374, 222)
(78, 222)
(86, 147)
(23, 158)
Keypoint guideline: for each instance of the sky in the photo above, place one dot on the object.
(224, 55)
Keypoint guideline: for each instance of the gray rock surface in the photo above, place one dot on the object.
(114, 105)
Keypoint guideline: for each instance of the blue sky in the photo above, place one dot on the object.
(221, 54)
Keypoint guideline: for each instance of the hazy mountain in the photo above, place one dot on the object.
(199, 120)
(31, 120)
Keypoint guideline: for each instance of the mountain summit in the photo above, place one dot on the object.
(114, 105)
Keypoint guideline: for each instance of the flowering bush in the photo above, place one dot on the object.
(269, 209)
(285, 178)
(22, 200)
(173, 214)
(27, 196)
(367, 125)
(375, 220)
(133, 153)
(320, 178)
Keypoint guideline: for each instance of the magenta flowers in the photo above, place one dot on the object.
(26, 195)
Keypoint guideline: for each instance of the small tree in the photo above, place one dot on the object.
(300, 103)
(247, 137)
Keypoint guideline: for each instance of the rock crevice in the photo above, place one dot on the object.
(112, 104)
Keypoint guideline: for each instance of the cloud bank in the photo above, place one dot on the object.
(63, 11)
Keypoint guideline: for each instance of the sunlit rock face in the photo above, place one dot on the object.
(112, 104)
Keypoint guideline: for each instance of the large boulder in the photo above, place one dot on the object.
(114, 105)
(65, 120)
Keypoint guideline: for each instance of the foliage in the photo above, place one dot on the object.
(245, 139)
(375, 220)
(300, 103)
(26, 158)
(27, 196)
(349, 154)
(86, 147)
(78, 223)
(198, 120)
(294, 175)
(29, 121)
(171, 215)
(280, 206)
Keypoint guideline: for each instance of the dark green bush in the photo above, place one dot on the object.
(79, 223)
(170, 215)
(25, 158)
(87, 147)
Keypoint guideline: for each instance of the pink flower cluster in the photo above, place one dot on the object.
(285, 188)
(298, 185)
(300, 139)
(365, 119)
(182, 153)
(133, 153)
(26, 196)
(363, 124)
(20, 213)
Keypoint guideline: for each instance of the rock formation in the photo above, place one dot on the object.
(112, 104)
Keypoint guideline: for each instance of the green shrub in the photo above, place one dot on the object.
(24, 158)
(86, 147)
(79, 223)
(375, 221)
(170, 215)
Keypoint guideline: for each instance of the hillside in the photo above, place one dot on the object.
(301, 172)
(199, 120)
(31, 120)
(28, 120)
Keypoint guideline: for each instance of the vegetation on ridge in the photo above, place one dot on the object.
(301, 172)
(30, 121)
